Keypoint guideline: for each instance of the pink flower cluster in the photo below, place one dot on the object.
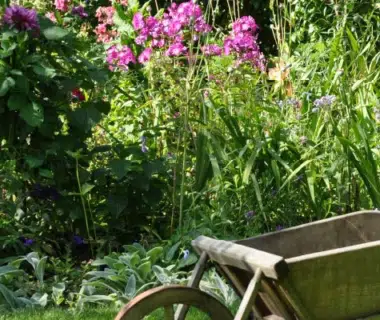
(242, 42)
(62, 5)
(120, 57)
(211, 50)
(177, 23)
(105, 19)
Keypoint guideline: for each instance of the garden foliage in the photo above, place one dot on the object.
(153, 122)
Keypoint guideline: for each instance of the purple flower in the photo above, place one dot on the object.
(138, 21)
(143, 144)
(28, 242)
(250, 214)
(21, 18)
(79, 11)
(324, 101)
(278, 228)
(176, 49)
(145, 55)
(78, 240)
(212, 50)
(244, 24)
(186, 254)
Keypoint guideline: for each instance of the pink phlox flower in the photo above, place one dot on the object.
(105, 15)
(50, 15)
(138, 21)
(176, 49)
(103, 34)
(21, 18)
(244, 24)
(211, 50)
(122, 2)
(145, 55)
(120, 57)
(62, 5)
(158, 43)
(79, 11)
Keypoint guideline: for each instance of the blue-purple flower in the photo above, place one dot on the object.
(250, 214)
(186, 254)
(324, 101)
(79, 11)
(144, 148)
(28, 242)
(21, 18)
(78, 240)
(279, 227)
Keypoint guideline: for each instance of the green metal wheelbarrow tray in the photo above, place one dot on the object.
(325, 270)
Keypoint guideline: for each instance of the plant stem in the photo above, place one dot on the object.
(83, 205)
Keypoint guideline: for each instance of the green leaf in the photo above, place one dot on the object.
(6, 85)
(34, 162)
(86, 188)
(190, 260)
(116, 204)
(130, 288)
(17, 101)
(33, 114)
(120, 167)
(155, 254)
(46, 173)
(40, 270)
(10, 270)
(85, 118)
(170, 255)
(144, 269)
(102, 106)
(8, 296)
(55, 33)
(44, 71)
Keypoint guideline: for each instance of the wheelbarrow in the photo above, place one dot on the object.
(324, 270)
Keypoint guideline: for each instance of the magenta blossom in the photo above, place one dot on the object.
(120, 57)
(21, 18)
(138, 21)
(176, 49)
(62, 5)
(145, 55)
(212, 50)
(244, 24)
(79, 11)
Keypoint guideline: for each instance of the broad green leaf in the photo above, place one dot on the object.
(190, 260)
(130, 289)
(120, 167)
(40, 270)
(172, 251)
(86, 188)
(85, 118)
(33, 114)
(9, 297)
(5, 85)
(34, 162)
(154, 254)
(116, 204)
(144, 269)
(17, 101)
(44, 71)
(40, 299)
(9, 270)
(55, 33)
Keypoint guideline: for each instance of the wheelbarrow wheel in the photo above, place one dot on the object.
(166, 297)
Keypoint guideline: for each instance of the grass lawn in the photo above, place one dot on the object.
(88, 314)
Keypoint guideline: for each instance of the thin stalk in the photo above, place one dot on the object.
(83, 205)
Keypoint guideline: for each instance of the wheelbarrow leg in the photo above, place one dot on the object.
(249, 298)
(193, 283)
